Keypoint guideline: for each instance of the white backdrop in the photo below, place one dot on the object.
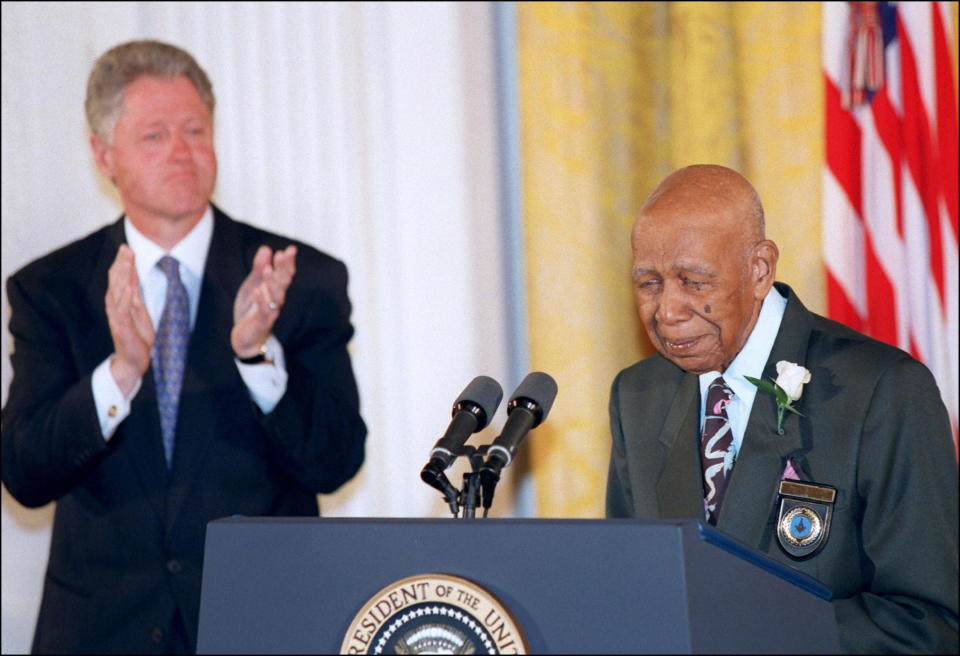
(368, 130)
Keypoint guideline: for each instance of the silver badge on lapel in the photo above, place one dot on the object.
(803, 523)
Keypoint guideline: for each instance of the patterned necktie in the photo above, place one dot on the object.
(170, 352)
(716, 453)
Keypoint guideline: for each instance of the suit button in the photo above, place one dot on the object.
(174, 566)
(157, 635)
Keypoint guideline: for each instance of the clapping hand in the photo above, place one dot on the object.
(260, 298)
(130, 326)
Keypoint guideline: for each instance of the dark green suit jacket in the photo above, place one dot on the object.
(874, 427)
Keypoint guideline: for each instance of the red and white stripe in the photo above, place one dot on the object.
(890, 188)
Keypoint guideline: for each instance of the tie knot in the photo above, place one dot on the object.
(170, 267)
(719, 391)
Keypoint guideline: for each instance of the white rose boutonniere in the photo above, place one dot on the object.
(791, 378)
(787, 388)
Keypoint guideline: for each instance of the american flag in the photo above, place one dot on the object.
(890, 179)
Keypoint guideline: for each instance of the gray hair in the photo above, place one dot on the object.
(754, 212)
(123, 64)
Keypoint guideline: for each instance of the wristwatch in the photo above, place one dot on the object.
(261, 356)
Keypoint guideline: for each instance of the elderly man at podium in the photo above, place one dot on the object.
(843, 468)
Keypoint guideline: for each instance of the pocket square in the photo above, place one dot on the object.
(793, 472)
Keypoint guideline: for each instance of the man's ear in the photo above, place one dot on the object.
(103, 156)
(764, 267)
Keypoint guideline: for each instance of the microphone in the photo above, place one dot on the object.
(527, 408)
(472, 411)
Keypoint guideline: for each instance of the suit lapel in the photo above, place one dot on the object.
(752, 493)
(139, 434)
(679, 490)
(210, 367)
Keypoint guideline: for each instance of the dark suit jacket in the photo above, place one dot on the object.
(127, 544)
(874, 427)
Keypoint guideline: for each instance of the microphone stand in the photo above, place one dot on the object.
(470, 496)
(463, 503)
(437, 479)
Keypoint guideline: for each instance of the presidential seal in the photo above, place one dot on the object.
(433, 614)
(804, 520)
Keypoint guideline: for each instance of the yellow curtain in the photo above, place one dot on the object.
(614, 96)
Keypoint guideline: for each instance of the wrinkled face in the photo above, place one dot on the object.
(697, 288)
(161, 156)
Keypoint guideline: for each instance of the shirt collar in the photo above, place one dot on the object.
(753, 357)
(190, 252)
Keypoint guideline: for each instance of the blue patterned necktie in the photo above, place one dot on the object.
(170, 352)
(716, 448)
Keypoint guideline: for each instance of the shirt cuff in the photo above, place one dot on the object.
(112, 407)
(266, 381)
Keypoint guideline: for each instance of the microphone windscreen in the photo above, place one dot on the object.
(540, 388)
(484, 392)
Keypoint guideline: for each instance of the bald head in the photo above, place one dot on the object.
(701, 266)
(710, 193)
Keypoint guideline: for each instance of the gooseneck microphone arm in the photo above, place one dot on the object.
(440, 481)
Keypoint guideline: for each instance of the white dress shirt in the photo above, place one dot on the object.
(266, 382)
(749, 362)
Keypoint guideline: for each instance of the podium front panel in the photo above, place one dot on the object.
(279, 585)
